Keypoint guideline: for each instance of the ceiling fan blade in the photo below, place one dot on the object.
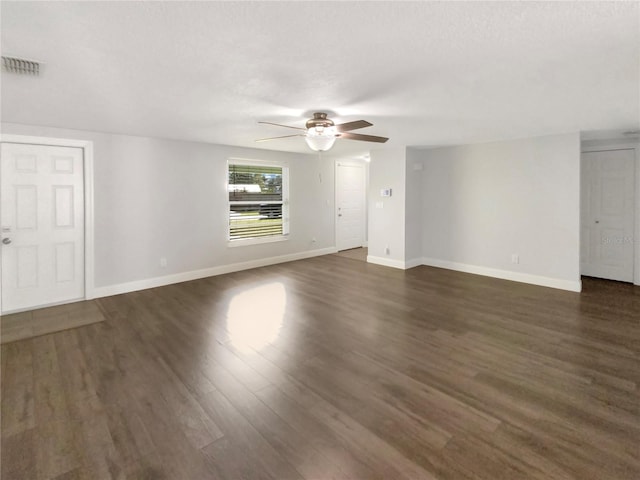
(286, 126)
(345, 127)
(364, 138)
(275, 138)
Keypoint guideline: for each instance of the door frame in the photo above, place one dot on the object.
(621, 144)
(365, 171)
(87, 161)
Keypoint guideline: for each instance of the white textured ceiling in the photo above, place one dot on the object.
(424, 73)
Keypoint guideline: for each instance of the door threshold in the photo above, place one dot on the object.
(39, 307)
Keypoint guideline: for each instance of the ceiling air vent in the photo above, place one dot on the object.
(20, 66)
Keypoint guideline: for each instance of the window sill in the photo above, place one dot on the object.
(257, 241)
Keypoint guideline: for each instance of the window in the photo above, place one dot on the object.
(258, 202)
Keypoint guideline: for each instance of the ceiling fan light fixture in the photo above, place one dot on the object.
(321, 140)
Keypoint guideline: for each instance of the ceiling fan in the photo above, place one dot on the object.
(321, 132)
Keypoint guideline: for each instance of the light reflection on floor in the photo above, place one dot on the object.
(255, 316)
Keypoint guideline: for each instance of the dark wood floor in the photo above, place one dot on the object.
(333, 368)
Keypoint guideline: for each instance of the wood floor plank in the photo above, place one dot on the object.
(77, 381)
(196, 425)
(97, 453)
(360, 372)
(238, 430)
(229, 462)
(378, 453)
(55, 448)
(294, 409)
(179, 458)
(131, 439)
(292, 445)
(18, 413)
(18, 452)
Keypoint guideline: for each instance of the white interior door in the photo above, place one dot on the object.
(42, 218)
(350, 201)
(607, 214)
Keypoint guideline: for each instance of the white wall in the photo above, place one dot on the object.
(594, 145)
(413, 208)
(387, 224)
(163, 198)
(483, 203)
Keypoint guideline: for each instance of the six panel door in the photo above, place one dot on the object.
(42, 218)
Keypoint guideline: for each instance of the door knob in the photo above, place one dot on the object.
(6, 240)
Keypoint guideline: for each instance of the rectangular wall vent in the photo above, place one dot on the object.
(20, 66)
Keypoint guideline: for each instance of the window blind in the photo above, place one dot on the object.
(256, 201)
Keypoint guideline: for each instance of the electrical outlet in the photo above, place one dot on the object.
(387, 250)
(163, 262)
(515, 258)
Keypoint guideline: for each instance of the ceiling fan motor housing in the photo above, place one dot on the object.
(319, 122)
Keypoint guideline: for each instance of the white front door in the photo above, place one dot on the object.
(350, 196)
(607, 214)
(42, 219)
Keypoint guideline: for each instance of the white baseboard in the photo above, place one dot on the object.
(412, 263)
(573, 286)
(206, 272)
(388, 262)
